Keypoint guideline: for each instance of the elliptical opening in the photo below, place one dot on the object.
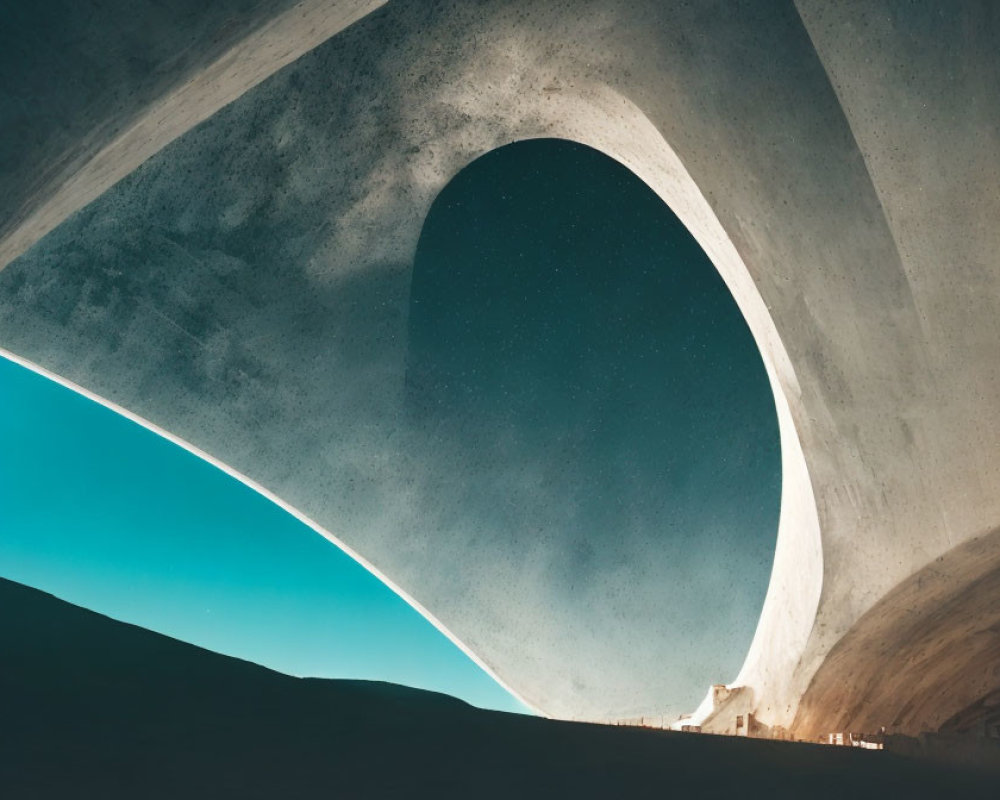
(600, 396)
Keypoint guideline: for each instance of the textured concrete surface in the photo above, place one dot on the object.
(88, 91)
(839, 165)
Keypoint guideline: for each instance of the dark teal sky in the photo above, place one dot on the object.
(565, 325)
(577, 371)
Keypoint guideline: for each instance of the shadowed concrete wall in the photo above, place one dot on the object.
(834, 163)
(88, 91)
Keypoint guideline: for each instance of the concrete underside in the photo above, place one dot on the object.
(838, 162)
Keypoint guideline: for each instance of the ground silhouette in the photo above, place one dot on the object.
(96, 708)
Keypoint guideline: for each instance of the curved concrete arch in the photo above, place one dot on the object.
(785, 126)
(596, 115)
(599, 117)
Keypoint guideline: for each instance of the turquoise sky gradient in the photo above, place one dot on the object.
(106, 514)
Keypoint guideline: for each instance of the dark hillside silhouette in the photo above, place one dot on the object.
(94, 708)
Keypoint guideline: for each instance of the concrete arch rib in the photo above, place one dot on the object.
(770, 678)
